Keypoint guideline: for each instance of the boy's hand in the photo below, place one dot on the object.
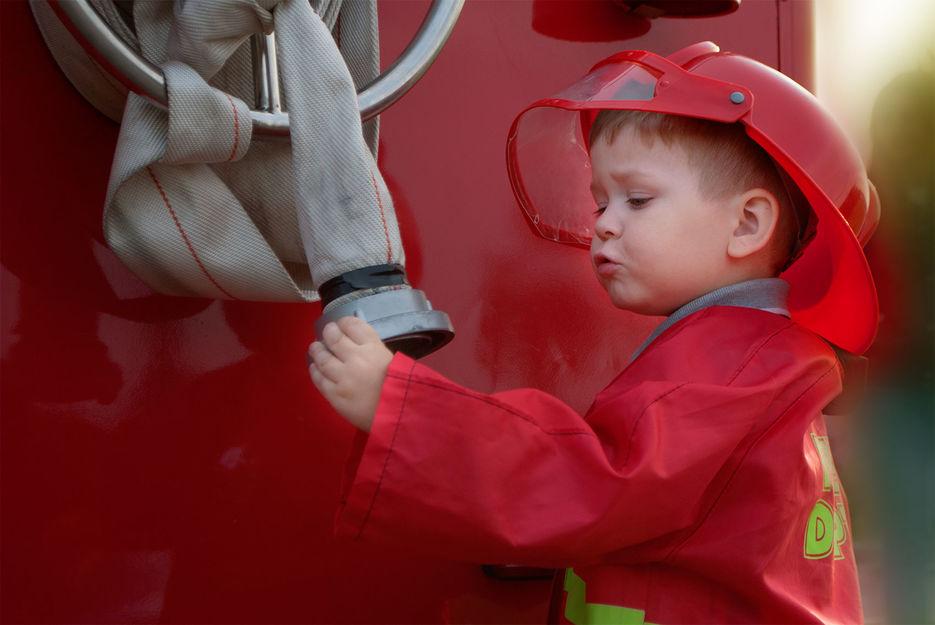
(349, 368)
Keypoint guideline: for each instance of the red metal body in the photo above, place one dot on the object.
(167, 459)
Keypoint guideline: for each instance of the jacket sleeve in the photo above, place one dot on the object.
(520, 477)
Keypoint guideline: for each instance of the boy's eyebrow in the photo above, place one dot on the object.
(623, 175)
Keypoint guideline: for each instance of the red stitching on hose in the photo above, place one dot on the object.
(165, 198)
(386, 230)
(236, 130)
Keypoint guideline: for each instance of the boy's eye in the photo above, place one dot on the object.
(635, 202)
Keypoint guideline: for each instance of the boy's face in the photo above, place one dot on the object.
(657, 242)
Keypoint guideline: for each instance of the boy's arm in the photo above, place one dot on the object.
(520, 477)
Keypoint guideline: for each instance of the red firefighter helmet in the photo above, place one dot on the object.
(832, 291)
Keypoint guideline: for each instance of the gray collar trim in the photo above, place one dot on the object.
(767, 294)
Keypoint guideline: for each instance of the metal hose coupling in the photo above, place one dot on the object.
(381, 296)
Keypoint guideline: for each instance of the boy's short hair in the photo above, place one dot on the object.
(727, 161)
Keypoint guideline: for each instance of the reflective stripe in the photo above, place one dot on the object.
(580, 612)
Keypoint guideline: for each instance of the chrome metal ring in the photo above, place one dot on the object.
(144, 78)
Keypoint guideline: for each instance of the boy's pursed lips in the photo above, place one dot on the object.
(600, 258)
(605, 265)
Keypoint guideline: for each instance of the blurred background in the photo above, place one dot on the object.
(874, 70)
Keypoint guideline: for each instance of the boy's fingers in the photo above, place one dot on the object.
(358, 330)
(336, 341)
(325, 361)
(326, 386)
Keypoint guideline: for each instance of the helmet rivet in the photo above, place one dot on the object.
(736, 97)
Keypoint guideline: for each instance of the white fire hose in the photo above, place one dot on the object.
(197, 206)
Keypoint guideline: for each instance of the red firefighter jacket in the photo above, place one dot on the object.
(698, 488)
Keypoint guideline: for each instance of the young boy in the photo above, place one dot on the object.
(699, 487)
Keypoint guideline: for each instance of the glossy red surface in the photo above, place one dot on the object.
(167, 459)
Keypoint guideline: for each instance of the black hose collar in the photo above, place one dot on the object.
(371, 277)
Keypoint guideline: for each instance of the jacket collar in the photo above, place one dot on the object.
(767, 294)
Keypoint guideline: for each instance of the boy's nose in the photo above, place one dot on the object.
(606, 228)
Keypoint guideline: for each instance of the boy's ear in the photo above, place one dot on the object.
(755, 216)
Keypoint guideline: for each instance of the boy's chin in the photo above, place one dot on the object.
(651, 307)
